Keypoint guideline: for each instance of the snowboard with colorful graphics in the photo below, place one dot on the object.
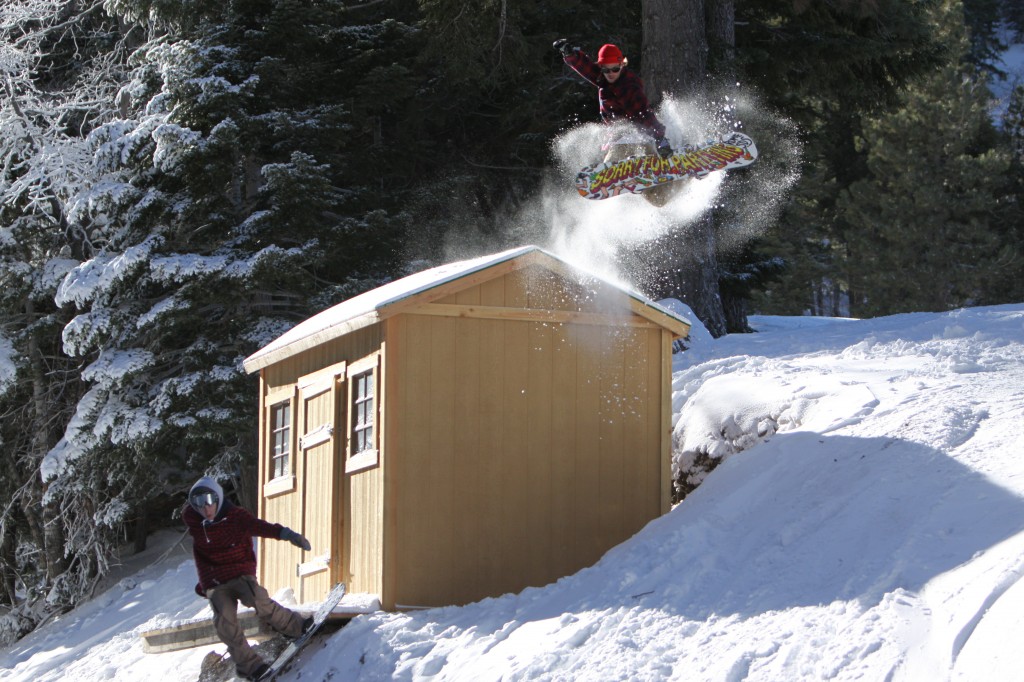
(295, 646)
(640, 173)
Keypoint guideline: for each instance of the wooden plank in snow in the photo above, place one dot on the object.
(200, 632)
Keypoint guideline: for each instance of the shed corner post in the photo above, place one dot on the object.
(261, 501)
(391, 348)
(666, 421)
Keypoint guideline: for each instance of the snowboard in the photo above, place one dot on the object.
(640, 173)
(333, 597)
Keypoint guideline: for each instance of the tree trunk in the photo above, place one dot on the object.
(735, 308)
(695, 277)
(8, 563)
(675, 62)
(247, 484)
(141, 530)
(721, 30)
(52, 526)
(675, 47)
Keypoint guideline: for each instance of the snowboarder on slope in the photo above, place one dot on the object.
(226, 563)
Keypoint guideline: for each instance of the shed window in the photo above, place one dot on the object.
(363, 418)
(280, 438)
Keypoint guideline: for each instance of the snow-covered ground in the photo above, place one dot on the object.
(867, 522)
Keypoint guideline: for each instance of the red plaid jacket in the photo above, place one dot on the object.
(222, 548)
(623, 99)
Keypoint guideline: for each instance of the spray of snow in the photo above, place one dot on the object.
(609, 237)
(592, 234)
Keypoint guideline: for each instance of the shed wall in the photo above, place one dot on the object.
(362, 569)
(521, 451)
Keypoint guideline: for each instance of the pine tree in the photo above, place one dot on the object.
(925, 229)
(826, 66)
(1007, 282)
(242, 189)
(61, 67)
(1013, 122)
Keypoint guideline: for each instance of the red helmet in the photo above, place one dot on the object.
(609, 54)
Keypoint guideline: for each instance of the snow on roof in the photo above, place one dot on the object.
(363, 310)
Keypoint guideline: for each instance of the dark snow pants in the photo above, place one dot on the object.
(224, 601)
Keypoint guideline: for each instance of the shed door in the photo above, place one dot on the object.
(320, 484)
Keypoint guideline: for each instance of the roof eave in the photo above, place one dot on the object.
(265, 358)
(679, 327)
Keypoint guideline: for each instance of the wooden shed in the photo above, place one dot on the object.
(464, 432)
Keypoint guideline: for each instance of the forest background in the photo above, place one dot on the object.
(183, 180)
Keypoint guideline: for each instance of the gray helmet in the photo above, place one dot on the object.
(206, 491)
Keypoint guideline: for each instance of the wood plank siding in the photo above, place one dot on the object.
(524, 447)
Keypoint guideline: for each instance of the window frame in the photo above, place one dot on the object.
(284, 481)
(280, 434)
(368, 457)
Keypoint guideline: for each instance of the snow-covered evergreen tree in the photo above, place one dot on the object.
(61, 64)
(160, 222)
(233, 202)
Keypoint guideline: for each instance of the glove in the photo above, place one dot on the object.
(664, 148)
(296, 539)
(562, 45)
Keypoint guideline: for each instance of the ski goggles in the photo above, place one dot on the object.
(200, 500)
(611, 69)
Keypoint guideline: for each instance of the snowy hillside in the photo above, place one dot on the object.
(867, 523)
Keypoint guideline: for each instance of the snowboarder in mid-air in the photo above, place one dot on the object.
(222, 536)
(621, 98)
(638, 158)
